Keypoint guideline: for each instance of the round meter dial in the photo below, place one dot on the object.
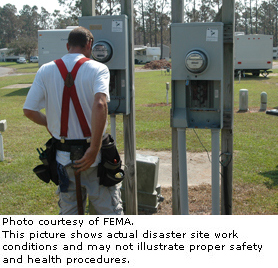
(102, 51)
(196, 61)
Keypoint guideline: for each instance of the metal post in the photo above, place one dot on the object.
(177, 17)
(263, 101)
(88, 8)
(228, 18)
(183, 172)
(129, 121)
(1, 148)
(215, 186)
(113, 127)
(167, 92)
(177, 11)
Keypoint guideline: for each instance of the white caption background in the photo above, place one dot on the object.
(137, 241)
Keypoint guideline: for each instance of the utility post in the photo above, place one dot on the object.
(228, 18)
(129, 121)
(88, 8)
(177, 17)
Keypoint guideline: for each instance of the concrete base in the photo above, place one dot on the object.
(147, 201)
(148, 190)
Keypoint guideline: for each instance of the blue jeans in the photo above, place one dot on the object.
(106, 200)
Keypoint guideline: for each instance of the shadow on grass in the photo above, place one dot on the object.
(253, 77)
(19, 92)
(273, 176)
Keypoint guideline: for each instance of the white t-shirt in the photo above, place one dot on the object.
(47, 91)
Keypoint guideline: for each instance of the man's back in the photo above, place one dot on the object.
(49, 86)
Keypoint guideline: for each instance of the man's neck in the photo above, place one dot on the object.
(75, 51)
(86, 51)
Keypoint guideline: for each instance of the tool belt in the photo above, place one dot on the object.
(76, 148)
(48, 170)
(109, 169)
(66, 146)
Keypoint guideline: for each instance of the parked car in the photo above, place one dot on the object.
(21, 60)
(34, 59)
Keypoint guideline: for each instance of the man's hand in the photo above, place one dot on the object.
(86, 161)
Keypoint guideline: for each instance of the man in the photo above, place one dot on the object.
(92, 87)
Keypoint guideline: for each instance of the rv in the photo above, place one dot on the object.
(52, 44)
(146, 54)
(6, 54)
(253, 54)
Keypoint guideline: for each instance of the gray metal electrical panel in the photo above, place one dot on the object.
(111, 48)
(197, 75)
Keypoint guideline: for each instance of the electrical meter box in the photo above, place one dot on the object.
(111, 48)
(197, 75)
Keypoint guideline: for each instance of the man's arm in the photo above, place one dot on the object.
(37, 117)
(99, 117)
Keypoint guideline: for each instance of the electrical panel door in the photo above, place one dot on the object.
(197, 75)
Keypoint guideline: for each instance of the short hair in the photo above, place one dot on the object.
(80, 36)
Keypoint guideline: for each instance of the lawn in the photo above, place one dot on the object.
(255, 142)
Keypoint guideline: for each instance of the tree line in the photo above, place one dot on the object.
(152, 19)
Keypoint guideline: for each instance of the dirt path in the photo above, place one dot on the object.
(198, 167)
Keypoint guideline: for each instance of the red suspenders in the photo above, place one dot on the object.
(70, 93)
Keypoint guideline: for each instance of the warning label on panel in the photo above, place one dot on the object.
(117, 26)
(212, 35)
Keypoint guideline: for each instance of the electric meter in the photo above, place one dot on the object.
(196, 61)
(102, 51)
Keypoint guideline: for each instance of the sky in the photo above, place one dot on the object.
(49, 5)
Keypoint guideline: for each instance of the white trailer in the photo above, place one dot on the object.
(146, 54)
(253, 54)
(52, 44)
(7, 55)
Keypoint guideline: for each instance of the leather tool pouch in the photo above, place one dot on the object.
(48, 171)
(109, 170)
(76, 152)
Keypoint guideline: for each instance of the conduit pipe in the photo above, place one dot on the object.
(215, 188)
(183, 171)
(113, 126)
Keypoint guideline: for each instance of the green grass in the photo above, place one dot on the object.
(255, 143)
(21, 68)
